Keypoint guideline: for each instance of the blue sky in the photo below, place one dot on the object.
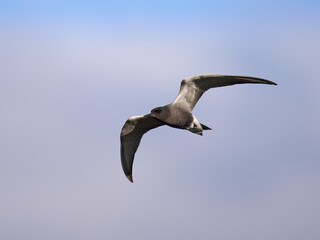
(72, 72)
(162, 11)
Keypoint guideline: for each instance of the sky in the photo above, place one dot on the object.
(72, 72)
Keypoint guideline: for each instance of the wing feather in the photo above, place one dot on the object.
(191, 89)
(131, 134)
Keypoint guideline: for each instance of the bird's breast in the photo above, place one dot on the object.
(179, 118)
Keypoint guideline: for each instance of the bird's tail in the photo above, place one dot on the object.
(204, 127)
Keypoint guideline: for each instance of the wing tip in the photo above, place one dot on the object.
(272, 83)
(129, 178)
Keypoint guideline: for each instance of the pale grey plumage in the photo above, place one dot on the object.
(177, 114)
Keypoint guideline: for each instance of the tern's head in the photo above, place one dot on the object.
(160, 113)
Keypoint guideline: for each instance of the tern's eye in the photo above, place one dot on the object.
(157, 110)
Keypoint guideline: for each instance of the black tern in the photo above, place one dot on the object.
(177, 114)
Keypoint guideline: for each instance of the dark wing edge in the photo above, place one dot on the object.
(191, 89)
(130, 137)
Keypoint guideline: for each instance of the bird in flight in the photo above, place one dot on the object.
(177, 114)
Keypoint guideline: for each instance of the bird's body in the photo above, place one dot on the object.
(173, 115)
(178, 114)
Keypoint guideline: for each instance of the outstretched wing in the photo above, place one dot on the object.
(131, 134)
(192, 88)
